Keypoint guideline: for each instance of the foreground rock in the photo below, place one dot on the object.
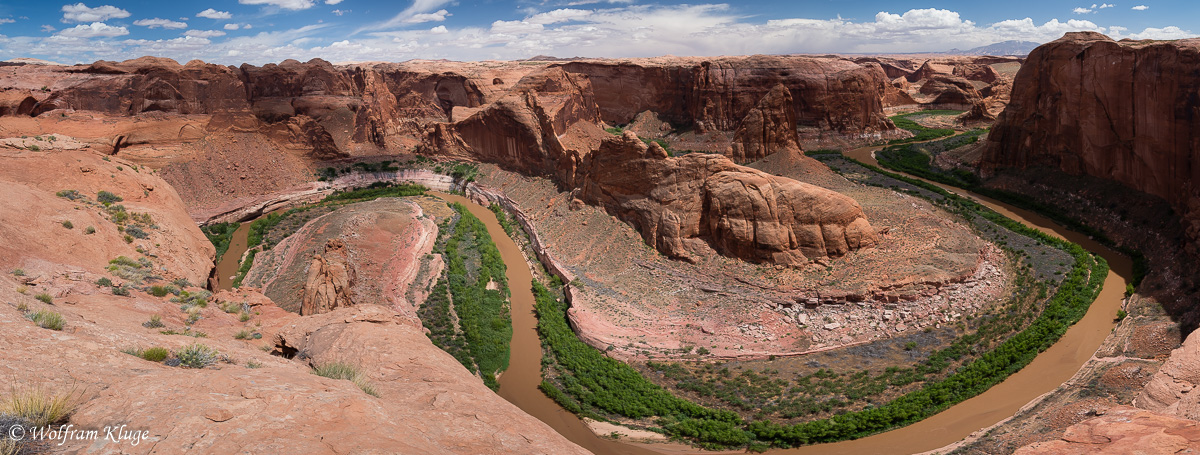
(247, 399)
(1124, 430)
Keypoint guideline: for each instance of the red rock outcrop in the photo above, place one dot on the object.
(768, 128)
(330, 278)
(1123, 430)
(682, 205)
(1126, 111)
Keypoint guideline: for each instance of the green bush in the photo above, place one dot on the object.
(90, 230)
(45, 298)
(103, 282)
(156, 354)
(159, 290)
(47, 319)
(197, 356)
(68, 224)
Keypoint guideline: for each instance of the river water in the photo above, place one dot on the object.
(1051, 368)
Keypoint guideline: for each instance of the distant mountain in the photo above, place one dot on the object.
(1018, 48)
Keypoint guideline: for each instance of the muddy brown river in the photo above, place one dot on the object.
(1051, 368)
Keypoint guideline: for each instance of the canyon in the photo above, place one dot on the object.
(671, 196)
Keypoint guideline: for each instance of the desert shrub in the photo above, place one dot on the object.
(120, 290)
(23, 307)
(155, 354)
(44, 297)
(90, 230)
(136, 232)
(68, 224)
(244, 316)
(70, 195)
(18, 272)
(47, 319)
(131, 270)
(38, 406)
(105, 197)
(159, 290)
(197, 355)
(243, 334)
(154, 322)
(345, 371)
(253, 364)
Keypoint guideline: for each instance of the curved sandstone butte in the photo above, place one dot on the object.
(680, 204)
(1125, 111)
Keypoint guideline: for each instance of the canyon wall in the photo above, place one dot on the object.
(1127, 111)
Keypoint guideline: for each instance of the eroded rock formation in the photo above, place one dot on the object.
(682, 204)
(330, 278)
(1125, 111)
(768, 128)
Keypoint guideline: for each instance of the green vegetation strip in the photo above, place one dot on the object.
(920, 133)
(589, 381)
(220, 234)
(917, 159)
(480, 339)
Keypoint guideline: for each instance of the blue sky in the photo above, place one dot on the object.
(262, 31)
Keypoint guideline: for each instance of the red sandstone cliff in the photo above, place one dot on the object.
(1126, 111)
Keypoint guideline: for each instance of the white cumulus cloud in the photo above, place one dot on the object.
(285, 4)
(214, 14)
(1081, 10)
(94, 30)
(439, 30)
(1170, 32)
(1140, 8)
(1106, 5)
(82, 13)
(436, 16)
(204, 33)
(332, 2)
(157, 22)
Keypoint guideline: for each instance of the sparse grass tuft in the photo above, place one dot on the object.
(68, 224)
(47, 319)
(197, 355)
(345, 371)
(154, 322)
(39, 406)
(45, 298)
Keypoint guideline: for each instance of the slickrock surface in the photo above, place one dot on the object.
(250, 399)
(1124, 430)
